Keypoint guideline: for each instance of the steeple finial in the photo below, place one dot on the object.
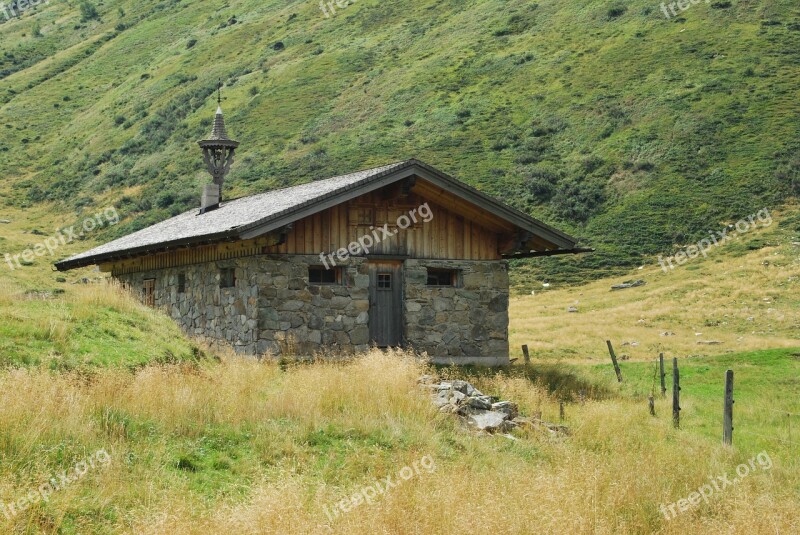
(218, 153)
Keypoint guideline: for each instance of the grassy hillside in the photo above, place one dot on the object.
(744, 295)
(67, 321)
(93, 326)
(632, 131)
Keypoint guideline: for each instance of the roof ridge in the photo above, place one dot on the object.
(398, 163)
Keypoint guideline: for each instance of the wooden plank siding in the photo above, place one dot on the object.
(448, 235)
(189, 256)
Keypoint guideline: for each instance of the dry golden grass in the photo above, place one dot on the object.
(104, 293)
(8, 293)
(747, 302)
(317, 433)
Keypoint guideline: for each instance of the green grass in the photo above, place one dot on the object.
(631, 131)
(765, 391)
(64, 334)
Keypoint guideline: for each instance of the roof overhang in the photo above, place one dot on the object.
(416, 168)
(68, 264)
(539, 238)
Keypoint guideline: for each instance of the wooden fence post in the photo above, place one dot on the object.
(663, 375)
(727, 417)
(614, 361)
(526, 356)
(676, 394)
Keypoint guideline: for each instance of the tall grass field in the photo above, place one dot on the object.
(160, 434)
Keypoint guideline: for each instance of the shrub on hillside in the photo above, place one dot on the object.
(88, 11)
(541, 181)
(578, 199)
(616, 11)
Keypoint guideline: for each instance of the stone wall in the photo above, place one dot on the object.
(205, 309)
(273, 308)
(464, 324)
(304, 318)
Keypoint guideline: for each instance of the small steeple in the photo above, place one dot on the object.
(218, 153)
(218, 131)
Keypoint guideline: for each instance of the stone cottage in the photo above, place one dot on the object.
(398, 255)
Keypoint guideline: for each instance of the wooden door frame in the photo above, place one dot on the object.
(398, 288)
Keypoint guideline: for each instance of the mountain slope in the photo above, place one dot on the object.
(629, 130)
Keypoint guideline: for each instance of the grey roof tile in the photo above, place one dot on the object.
(232, 214)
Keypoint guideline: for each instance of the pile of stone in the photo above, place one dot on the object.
(628, 284)
(484, 413)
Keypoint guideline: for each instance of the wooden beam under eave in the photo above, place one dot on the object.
(536, 243)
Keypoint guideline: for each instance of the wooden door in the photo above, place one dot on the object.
(149, 292)
(385, 304)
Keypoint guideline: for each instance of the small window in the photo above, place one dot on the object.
(442, 277)
(362, 216)
(227, 278)
(321, 275)
(384, 281)
(149, 292)
(181, 283)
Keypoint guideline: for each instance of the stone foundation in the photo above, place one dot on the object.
(274, 309)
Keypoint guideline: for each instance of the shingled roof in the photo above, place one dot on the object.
(252, 216)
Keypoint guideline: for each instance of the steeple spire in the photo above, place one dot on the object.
(218, 153)
(218, 131)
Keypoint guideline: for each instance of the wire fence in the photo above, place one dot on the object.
(785, 436)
